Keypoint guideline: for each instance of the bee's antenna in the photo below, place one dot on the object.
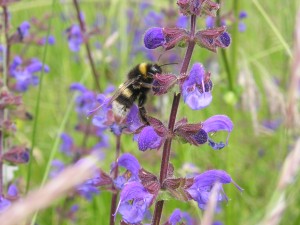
(168, 64)
(160, 56)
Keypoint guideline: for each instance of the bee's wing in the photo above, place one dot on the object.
(115, 95)
(122, 88)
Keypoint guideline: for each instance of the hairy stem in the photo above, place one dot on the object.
(114, 197)
(87, 46)
(167, 145)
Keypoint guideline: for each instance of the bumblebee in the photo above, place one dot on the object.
(139, 82)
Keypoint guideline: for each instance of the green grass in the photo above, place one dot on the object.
(265, 49)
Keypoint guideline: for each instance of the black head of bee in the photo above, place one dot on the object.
(153, 69)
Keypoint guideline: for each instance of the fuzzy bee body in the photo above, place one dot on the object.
(136, 87)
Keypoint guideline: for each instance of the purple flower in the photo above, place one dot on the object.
(153, 18)
(129, 162)
(225, 39)
(85, 101)
(4, 204)
(134, 202)
(12, 191)
(210, 22)
(132, 165)
(49, 39)
(154, 38)
(203, 184)
(177, 216)
(26, 76)
(149, 139)
(24, 29)
(100, 119)
(182, 21)
(57, 167)
(67, 144)
(242, 27)
(75, 38)
(218, 123)
(133, 121)
(196, 89)
(88, 189)
(243, 15)
(201, 137)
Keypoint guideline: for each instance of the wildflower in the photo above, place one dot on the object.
(88, 189)
(182, 21)
(177, 216)
(24, 29)
(17, 155)
(134, 202)
(4, 204)
(149, 139)
(132, 166)
(196, 89)
(75, 38)
(214, 38)
(203, 184)
(166, 37)
(242, 26)
(85, 101)
(218, 123)
(154, 38)
(12, 192)
(26, 76)
(49, 39)
(67, 144)
(133, 121)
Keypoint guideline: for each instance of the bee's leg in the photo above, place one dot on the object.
(145, 85)
(142, 110)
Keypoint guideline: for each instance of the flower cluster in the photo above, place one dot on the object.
(140, 188)
(25, 73)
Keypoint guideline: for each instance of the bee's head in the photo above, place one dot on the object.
(153, 69)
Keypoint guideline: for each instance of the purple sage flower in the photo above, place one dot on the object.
(75, 37)
(133, 121)
(12, 191)
(49, 39)
(24, 29)
(132, 165)
(4, 204)
(88, 189)
(134, 202)
(218, 123)
(178, 216)
(149, 139)
(203, 184)
(154, 38)
(196, 89)
(85, 101)
(26, 76)
(67, 144)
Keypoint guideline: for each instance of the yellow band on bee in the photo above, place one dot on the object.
(143, 68)
(127, 93)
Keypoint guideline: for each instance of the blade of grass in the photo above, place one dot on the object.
(37, 106)
(273, 27)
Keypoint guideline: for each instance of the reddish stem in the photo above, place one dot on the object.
(87, 46)
(167, 145)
